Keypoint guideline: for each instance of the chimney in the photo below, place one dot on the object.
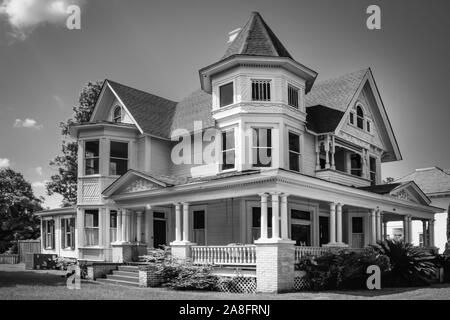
(233, 34)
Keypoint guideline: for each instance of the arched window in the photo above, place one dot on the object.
(117, 115)
(359, 117)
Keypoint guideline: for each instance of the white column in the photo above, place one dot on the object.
(332, 222)
(410, 233)
(424, 233)
(108, 228)
(317, 153)
(431, 231)
(378, 219)
(139, 226)
(405, 229)
(263, 216)
(275, 216)
(373, 225)
(124, 226)
(101, 226)
(327, 152)
(339, 223)
(119, 226)
(177, 222)
(284, 217)
(385, 230)
(185, 222)
(333, 150)
(80, 227)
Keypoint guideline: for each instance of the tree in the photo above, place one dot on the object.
(388, 180)
(65, 182)
(17, 205)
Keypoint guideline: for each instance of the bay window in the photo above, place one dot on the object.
(91, 157)
(226, 94)
(91, 227)
(262, 147)
(228, 150)
(260, 90)
(294, 152)
(118, 161)
(68, 233)
(293, 96)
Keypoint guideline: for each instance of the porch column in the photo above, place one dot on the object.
(332, 222)
(431, 230)
(275, 216)
(119, 226)
(185, 222)
(139, 226)
(385, 230)
(373, 226)
(124, 226)
(378, 219)
(410, 234)
(339, 223)
(317, 153)
(333, 150)
(405, 229)
(284, 217)
(263, 216)
(177, 222)
(327, 152)
(424, 233)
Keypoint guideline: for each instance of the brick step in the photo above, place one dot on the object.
(124, 273)
(118, 282)
(128, 268)
(123, 278)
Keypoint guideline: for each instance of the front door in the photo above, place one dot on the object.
(301, 227)
(324, 230)
(159, 229)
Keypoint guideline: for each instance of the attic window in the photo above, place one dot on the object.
(368, 126)
(352, 118)
(261, 90)
(359, 117)
(293, 96)
(226, 94)
(117, 114)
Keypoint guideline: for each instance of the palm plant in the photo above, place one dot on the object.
(409, 265)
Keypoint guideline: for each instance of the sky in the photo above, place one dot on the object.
(159, 46)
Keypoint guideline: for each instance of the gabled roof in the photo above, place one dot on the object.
(321, 119)
(432, 180)
(336, 93)
(395, 189)
(152, 113)
(256, 38)
(381, 188)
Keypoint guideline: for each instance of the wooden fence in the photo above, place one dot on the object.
(9, 258)
(28, 246)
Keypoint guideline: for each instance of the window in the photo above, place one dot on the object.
(261, 90)
(373, 170)
(262, 147)
(359, 117)
(113, 225)
(356, 165)
(91, 227)
(226, 93)
(293, 96)
(117, 114)
(228, 150)
(368, 126)
(68, 233)
(301, 227)
(199, 227)
(352, 118)
(91, 157)
(118, 162)
(48, 227)
(294, 152)
(256, 223)
(357, 225)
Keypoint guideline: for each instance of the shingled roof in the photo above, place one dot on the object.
(256, 39)
(431, 180)
(153, 114)
(335, 93)
(381, 188)
(321, 119)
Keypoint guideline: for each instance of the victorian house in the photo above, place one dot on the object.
(296, 167)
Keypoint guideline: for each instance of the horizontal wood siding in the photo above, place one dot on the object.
(308, 154)
(223, 226)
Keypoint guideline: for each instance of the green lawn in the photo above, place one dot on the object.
(17, 283)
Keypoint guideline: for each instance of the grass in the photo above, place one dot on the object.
(17, 283)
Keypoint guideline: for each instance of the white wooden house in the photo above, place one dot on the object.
(303, 166)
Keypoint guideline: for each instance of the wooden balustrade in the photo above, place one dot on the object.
(224, 255)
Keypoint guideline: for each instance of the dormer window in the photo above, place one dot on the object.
(261, 90)
(117, 114)
(359, 117)
(293, 96)
(226, 93)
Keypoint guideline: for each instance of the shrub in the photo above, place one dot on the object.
(65, 264)
(410, 266)
(344, 269)
(188, 277)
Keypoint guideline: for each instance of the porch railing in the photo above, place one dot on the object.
(301, 251)
(224, 255)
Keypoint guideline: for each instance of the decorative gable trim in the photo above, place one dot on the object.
(143, 183)
(406, 191)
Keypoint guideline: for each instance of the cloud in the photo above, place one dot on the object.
(4, 163)
(24, 16)
(27, 123)
(39, 170)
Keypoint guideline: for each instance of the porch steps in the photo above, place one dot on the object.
(125, 276)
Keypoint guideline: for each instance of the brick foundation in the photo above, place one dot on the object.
(148, 277)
